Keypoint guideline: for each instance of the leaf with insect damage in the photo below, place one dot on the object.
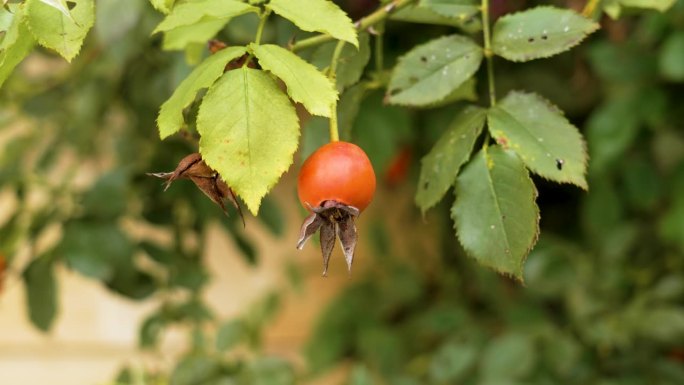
(430, 72)
(57, 31)
(543, 138)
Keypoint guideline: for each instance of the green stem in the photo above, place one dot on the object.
(259, 32)
(262, 23)
(590, 8)
(379, 58)
(332, 74)
(377, 16)
(489, 55)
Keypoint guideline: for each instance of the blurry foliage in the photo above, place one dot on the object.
(603, 299)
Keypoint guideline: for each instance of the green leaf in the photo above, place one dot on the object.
(462, 9)
(430, 72)
(305, 84)
(230, 334)
(52, 29)
(59, 5)
(317, 16)
(509, 356)
(451, 362)
(659, 5)
(41, 292)
(163, 6)
(96, 250)
(170, 118)
(672, 57)
(16, 44)
(250, 132)
(200, 32)
(538, 132)
(439, 168)
(466, 91)
(539, 32)
(424, 15)
(192, 12)
(496, 218)
(351, 63)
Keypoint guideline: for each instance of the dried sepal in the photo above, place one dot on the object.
(311, 224)
(327, 242)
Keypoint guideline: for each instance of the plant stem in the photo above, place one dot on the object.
(332, 74)
(488, 52)
(262, 23)
(377, 16)
(379, 58)
(590, 8)
(259, 32)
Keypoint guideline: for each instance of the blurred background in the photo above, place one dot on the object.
(107, 279)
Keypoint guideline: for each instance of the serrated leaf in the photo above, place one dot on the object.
(14, 47)
(200, 32)
(192, 12)
(430, 72)
(439, 167)
(452, 8)
(495, 214)
(163, 6)
(305, 84)
(41, 292)
(317, 16)
(539, 32)
(170, 118)
(250, 132)
(59, 5)
(55, 31)
(351, 63)
(543, 138)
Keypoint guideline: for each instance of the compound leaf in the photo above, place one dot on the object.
(539, 32)
(538, 132)
(305, 84)
(430, 72)
(496, 217)
(250, 132)
(170, 118)
(439, 168)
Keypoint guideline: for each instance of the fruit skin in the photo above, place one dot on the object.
(338, 171)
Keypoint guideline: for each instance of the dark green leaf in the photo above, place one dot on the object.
(351, 63)
(497, 220)
(539, 32)
(509, 356)
(41, 292)
(440, 167)
(230, 334)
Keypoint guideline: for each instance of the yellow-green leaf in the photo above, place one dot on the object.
(170, 118)
(439, 167)
(192, 12)
(15, 45)
(250, 132)
(305, 84)
(496, 217)
(179, 38)
(539, 32)
(539, 133)
(317, 16)
(52, 29)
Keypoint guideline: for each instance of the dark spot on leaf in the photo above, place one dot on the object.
(426, 185)
(530, 40)
(503, 217)
(413, 79)
(423, 59)
(544, 37)
(71, 4)
(394, 91)
(559, 163)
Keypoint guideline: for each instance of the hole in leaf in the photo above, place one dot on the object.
(71, 4)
